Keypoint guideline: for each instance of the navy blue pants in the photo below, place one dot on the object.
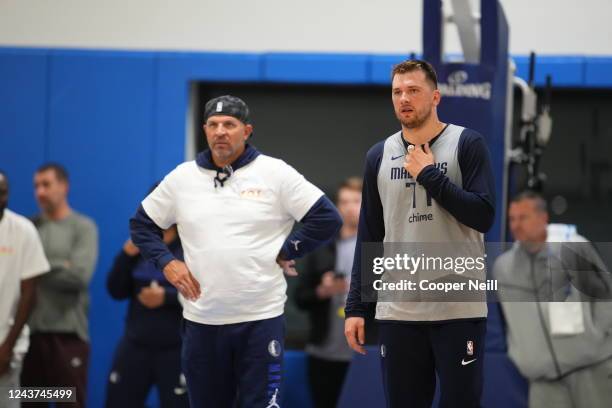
(412, 354)
(137, 368)
(234, 365)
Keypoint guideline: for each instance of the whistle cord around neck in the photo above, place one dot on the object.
(223, 174)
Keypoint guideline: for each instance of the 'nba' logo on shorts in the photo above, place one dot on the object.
(470, 348)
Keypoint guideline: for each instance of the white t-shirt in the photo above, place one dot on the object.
(21, 257)
(231, 235)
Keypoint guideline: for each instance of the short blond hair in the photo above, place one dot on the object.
(416, 65)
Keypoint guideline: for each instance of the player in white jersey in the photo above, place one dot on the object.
(22, 260)
(429, 183)
(234, 208)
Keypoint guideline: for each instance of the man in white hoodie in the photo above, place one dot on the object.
(555, 293)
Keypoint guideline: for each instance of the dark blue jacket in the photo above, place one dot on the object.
(158, 327)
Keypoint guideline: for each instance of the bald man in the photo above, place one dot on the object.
(555, 297)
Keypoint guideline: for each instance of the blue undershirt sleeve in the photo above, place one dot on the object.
(320, 224)
(148, 237)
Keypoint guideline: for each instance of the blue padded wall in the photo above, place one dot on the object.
(100, 128)
(316, 68)
(597, 72)
(23, 115)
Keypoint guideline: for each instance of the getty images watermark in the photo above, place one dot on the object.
(476, 272)
(430, 264)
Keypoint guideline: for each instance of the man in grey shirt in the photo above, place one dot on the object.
(555, 296)
(59, 348)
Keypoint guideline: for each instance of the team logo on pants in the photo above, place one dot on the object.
(383, 350)
(114, 377)
(274, 348)
(470, 348)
